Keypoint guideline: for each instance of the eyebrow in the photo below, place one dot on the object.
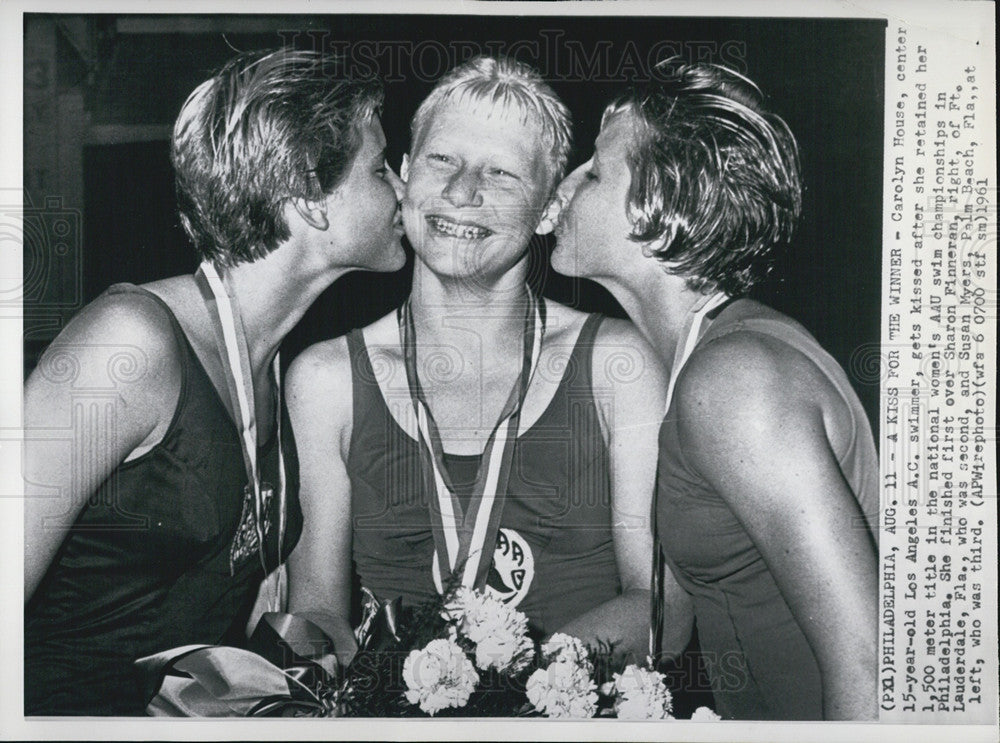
(510, 167)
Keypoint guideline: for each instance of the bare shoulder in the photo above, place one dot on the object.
(322, 376)
(321, 369)
(127, 336)
(621, 354)
(122, 342)
(562, 323)
(383, 332)
(319, 395)
(131, 316)
(751, 381)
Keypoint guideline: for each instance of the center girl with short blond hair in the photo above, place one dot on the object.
(492, 437)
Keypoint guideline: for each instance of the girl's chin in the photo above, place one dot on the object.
(563, 260)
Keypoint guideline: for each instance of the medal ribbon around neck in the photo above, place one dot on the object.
(459, 538)
(694, 329)
(235, 356)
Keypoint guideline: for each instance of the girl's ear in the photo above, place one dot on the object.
(312, 212)
(662, 243)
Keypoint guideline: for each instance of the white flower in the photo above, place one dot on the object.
(439, 676)
(499, 632)
(704, 714)
(641, 695)
(564, 648)
(563, 689)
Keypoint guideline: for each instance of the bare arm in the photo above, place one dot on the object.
(319, 405)
(105, 388)
(629, 389)
(752, 415)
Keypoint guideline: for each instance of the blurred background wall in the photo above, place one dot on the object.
(101, 93)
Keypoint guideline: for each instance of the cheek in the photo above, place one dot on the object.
(583, 223)
(522, 217)
(411, 217)
(578, 206)
(382, 202)
(410, 208)
(418, 188)
(391, 202)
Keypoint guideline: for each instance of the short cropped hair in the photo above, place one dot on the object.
(269, 126)
(512, 87)
(715, 177)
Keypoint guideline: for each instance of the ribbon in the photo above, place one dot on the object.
(379, 625)
(288, 668)
(209, 681)
(459, 537)
(235, 357)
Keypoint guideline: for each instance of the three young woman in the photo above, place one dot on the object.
(160, 501)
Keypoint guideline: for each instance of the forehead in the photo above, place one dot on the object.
(483, 123)
(372, 136)
(618, 131)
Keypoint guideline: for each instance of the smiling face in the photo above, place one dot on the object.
(592, 236)
(365, 227)
(477, 184)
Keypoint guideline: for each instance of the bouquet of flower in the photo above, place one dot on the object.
(466, 654)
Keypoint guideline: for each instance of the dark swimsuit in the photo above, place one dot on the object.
(758, 658)
(156, 559)
(554, 557)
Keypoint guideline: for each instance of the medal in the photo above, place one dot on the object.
(231, 338)
(459, 537)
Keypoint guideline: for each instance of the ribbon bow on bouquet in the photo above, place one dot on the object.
(289, 669)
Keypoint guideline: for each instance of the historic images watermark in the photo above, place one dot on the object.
(556, 56)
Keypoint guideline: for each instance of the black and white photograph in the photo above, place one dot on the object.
(579, 362)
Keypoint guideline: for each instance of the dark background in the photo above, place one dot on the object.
(132, 73)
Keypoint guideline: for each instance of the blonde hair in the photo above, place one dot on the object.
(507, 85)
